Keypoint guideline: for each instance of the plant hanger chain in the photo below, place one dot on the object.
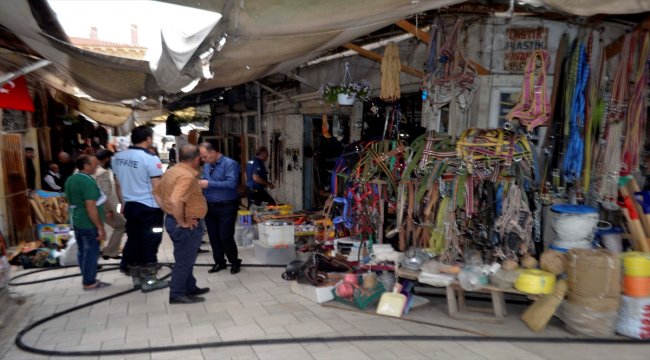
(347, 78)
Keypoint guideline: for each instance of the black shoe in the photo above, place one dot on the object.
(188, 299)
(236, 267)
(106, 257)
(203, 242)
(199, 291)
(201, 251)
(217, 268)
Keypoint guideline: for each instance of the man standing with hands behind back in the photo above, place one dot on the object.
(183, 202)
(219, 184)
(86, 207)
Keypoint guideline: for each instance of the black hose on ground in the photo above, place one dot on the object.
(512, 339)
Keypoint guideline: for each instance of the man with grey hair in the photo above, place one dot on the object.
(184, 205)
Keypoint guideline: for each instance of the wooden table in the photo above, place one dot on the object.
(458, 310)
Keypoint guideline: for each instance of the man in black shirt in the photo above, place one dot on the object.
(30, 170)
(172, 155)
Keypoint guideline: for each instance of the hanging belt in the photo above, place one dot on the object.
(636, 111)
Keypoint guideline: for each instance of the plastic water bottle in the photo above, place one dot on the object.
(247, 233)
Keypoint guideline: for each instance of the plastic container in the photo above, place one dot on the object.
(276, 233)
(612, 239)
(362, 298)
(270, 255)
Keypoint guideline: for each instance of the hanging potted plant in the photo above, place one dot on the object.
(347, 91)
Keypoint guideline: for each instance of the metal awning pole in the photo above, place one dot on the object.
(26, 70)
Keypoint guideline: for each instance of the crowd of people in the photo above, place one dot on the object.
(130, 191)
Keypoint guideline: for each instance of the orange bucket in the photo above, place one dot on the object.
(636, 286)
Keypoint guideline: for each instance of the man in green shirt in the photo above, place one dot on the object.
(86, 207)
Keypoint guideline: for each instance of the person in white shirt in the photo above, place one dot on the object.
(105, 180)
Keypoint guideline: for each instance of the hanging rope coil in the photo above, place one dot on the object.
(390, 71)
(574, 154)
(533, 281)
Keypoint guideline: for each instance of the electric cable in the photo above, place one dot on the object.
(274, 341)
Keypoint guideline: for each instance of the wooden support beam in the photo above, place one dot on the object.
(479, 68)
(615, 47)
(425, 38)
(275, 92)
(410, 28)
(377, 57)
(301, 80)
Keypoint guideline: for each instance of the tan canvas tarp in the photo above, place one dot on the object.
(265, 37)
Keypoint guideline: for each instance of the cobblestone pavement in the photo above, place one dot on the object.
(258, 304)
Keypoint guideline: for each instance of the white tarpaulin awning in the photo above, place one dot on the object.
(264, 37)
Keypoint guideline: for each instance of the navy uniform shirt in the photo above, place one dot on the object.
(255, 167)
(223, 178)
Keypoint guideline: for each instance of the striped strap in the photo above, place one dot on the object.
(533, 107)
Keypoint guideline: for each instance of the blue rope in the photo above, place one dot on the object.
(574, 154)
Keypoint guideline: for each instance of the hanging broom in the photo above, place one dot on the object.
(539, 314)
(390, 71)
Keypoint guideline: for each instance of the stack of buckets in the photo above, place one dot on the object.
(634, 315)
(594, 292)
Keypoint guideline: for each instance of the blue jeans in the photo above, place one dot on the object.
(186, 247)
(87, 254)
(142, 242)
(220, 222)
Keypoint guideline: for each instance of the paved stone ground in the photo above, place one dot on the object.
(258, 304)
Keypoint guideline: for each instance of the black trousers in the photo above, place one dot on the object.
(220, 223)
(144, 234)
(257, 197)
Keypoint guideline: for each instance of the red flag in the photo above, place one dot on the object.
(14, 95)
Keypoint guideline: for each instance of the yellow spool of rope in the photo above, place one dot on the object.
(533, 281)
(636, 264)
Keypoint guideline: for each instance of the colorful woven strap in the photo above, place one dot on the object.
(533, 107)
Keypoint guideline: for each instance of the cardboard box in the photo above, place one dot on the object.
(316, 294)
(54, 233)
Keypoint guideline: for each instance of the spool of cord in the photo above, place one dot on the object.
(575, 226)
(553, 262)
(636, 264)
(533, 281)
(638, 287)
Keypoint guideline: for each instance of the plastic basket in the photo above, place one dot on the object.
(276, 233)
(362, 298)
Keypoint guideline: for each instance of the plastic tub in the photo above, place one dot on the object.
(270, 255)
(276, 233)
